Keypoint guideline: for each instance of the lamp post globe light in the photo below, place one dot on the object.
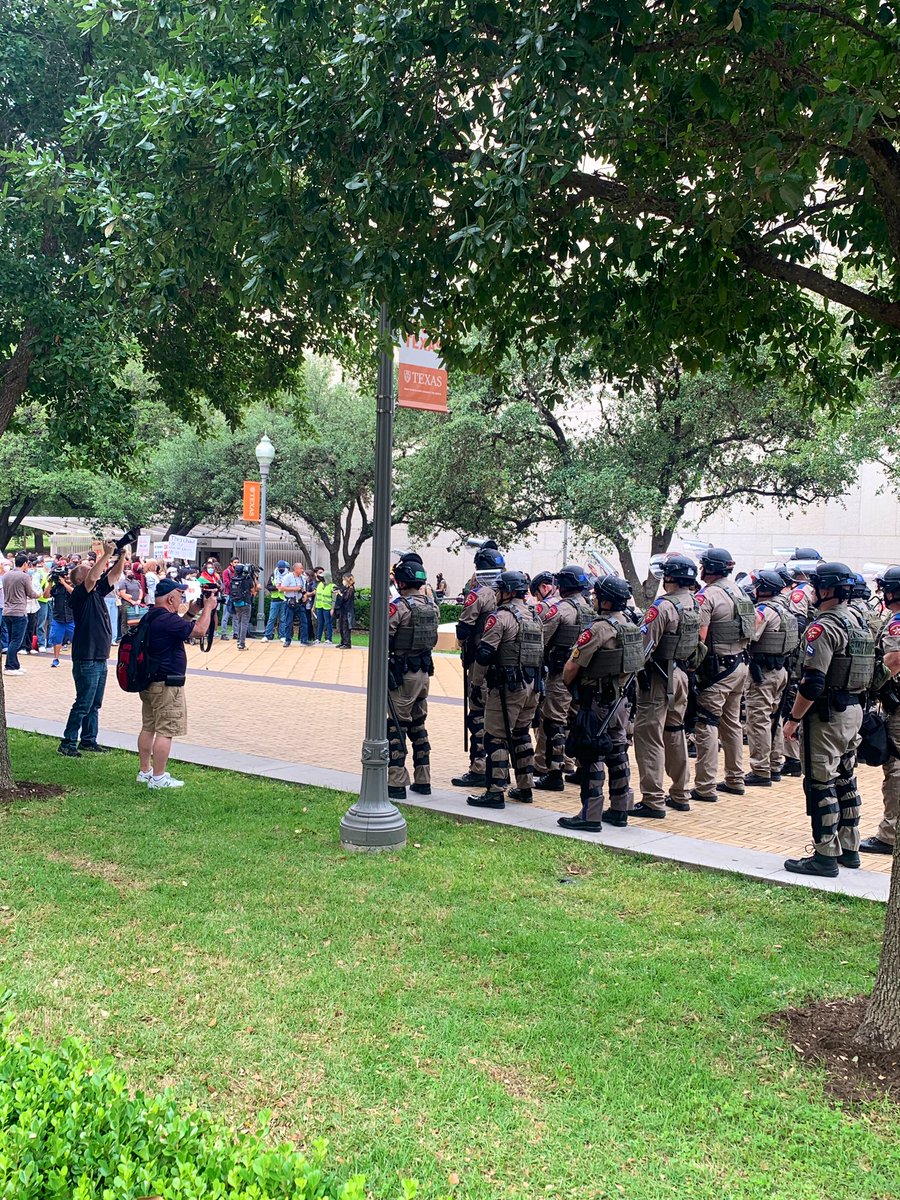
(265, 456)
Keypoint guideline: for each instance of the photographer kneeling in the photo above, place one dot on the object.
(164, 710)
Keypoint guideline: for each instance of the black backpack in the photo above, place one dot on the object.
(135, 668)
(241, 589)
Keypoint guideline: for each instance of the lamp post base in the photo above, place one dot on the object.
(373, 823)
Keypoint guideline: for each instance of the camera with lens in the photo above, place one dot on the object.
(56, 571)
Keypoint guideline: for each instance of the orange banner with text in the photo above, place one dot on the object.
(422, 377)
(252, 499)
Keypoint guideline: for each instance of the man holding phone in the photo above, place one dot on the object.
(163, 705)
(91, 643)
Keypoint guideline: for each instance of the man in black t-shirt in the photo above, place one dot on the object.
(163, 706)
(91, 643)
(62, 619)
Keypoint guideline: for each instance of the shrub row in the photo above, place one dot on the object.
(449, 612)
(70, 1130)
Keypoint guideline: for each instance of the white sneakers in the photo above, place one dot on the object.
(144, 776)
(18, 671)
(163, 781)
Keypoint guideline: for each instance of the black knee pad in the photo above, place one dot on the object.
(673, 728)
(705, 717)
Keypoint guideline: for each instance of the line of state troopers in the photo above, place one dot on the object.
(798, 653)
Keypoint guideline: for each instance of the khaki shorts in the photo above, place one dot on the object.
(164, 710)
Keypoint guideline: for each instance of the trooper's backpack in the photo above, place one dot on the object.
(241, 590)
(875, 747)
(135, 668)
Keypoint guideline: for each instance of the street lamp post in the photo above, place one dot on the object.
(265, 456)
(373, 822)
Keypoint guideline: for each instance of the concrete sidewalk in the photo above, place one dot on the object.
(298, 713)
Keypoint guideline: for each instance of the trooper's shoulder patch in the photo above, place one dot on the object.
(584, 638)
(761, 609)
(547, 611)
(815, 631)
(470, 599)
(651, 614)
(392, 609)
(894, 628)
(490, 623)
(798, 595)
(539, 609)
(701, 597)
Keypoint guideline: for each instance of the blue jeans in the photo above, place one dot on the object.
(14, 628)
(112, 609)
(90, 684)
(44, 621)
(227, 613)
(286, 624)
(4, 634)
(323, 617)
(305, 625)
(276, 613)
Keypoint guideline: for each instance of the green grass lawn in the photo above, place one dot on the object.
(456, 1013)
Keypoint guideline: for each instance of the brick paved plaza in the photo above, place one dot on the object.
(306, 705)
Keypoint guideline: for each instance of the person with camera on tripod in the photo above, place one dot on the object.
(58, 589)
(91, 643)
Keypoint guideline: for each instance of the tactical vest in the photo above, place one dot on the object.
(854, 670)
(470, 644)
(738, 628)
(565, 636)
(781, 641)
(679, 643)
(420, 633)
(625, 658)
(526, 649)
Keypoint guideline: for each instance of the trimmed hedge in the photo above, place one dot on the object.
(449, 612)
(70, 1130)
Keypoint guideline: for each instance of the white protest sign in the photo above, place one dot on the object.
(182, 547)
(161, 551)
(143, 546)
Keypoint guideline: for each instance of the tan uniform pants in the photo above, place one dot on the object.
(719, 721)
(550, 743)
(660, 745)
(890, 788)
(410, 702)
(763, 701)
(521, 706)
(829, 779)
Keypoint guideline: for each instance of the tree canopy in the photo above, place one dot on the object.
(655, 179)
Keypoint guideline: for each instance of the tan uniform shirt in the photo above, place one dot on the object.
(826, 637)
(554, 616)
(768, 617)
(602, 635)
(716, 602)
(801, 600)
(501, 626)
(481, 601)
(663, 617)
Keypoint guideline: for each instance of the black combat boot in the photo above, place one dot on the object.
(849, 858)
(874, 845)
(580, 824)
(523, 795)
(754, 780)
(572, 777)
(489, 799)
(791, 767)
(551, 782)
(816, 864)
(731, 789)
(422, 789)
(612, 816)
(776, 777)
(644, 810)
(678, 805)
(397, 793)
(470, 779)
(695, 795)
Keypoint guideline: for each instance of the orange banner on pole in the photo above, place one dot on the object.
(252, 499)
(422, 377)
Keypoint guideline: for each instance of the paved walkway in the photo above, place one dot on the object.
(299, 714)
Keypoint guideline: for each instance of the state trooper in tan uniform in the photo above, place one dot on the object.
(604, 658)
(672, 626)
(838, 668)
(727, 622)
(509, 661)
(887, 684)
(801, 602)
(771, 650)
(412, 635)
(564, 619)
(478, 606)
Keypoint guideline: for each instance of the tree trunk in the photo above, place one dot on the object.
(14, 375)
(629, 570)
(7, 783)
(881, 1028)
